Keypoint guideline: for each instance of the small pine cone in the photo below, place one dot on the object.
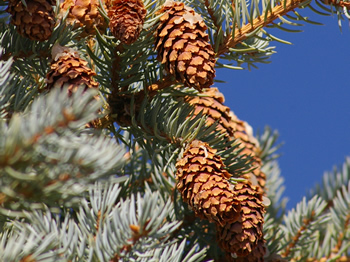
(126, 19)
(212, 105)
(202, 181)
(246, 234)
(182, 45)
(120, 106)
(34, 21)
(83, 13)
(67, 68)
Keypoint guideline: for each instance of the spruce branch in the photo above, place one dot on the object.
(301, 228)
(244, 32)
(46, 152)
(340, 217)
(332, 182)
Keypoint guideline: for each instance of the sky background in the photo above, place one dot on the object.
(303, 93)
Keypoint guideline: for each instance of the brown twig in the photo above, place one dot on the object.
(259, 22)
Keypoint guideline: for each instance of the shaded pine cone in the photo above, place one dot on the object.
(83, 13)
(120, 106)
(246, 234)
(183, 47)
(212, 106)
(67, 68)
(126, 19)
(34, 21)
(202, 181)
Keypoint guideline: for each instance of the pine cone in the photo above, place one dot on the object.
(183, 48)
(36, 21)
(83, 13)
(212, 105)
(126, 19)
(202, 181)
(120, 105)
(244, 237)
(68, 68)
(257, 255)
(250, 146)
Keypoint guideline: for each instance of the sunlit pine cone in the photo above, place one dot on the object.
(83, 13)
(203, 182)
(183, 47)
(126, 19)
(34, 21)
(67, 68)
(244, 237)
(212, 106)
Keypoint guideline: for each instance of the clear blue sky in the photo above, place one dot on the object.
(304, 93)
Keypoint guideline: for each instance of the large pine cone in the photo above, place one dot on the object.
(126, 19)
(67, 68)
(245, 235)
(202, 181)
(84, 13)
(36, 21)
(183, 48)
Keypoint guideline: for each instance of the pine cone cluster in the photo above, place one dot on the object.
(126, 19)
(202, 181)
(35, 21)
(83, 13)
(67, 68)
(244, 237)
(212, 106)
(183, 48)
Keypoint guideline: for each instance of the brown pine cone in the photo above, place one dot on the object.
(244, 237)
(67, 68)
(212, 106)
(83, 13)
(120, 105)
(126, 19)
(34, 21)
(183, 48)
(202, 181)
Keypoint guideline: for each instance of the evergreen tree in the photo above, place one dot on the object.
(115, 146)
